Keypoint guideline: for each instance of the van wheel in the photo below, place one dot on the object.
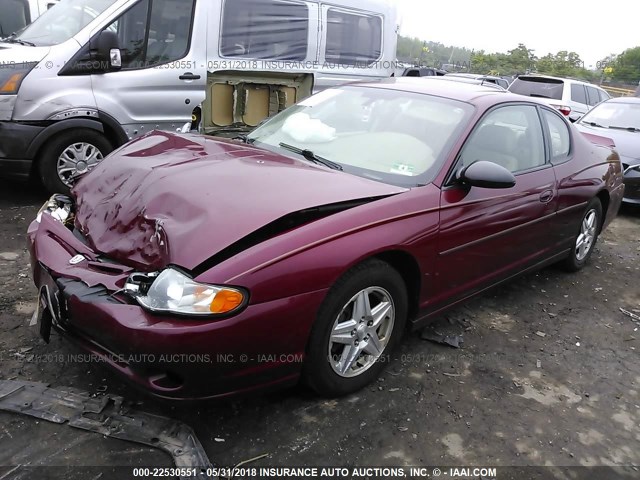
(69, 155)
(359, 324)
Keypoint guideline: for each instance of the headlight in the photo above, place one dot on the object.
(11, 76)
(174, 292)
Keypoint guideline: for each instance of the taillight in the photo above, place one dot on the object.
(563, 109)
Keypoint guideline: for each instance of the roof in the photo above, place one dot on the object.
(442, 87)
(633, 100)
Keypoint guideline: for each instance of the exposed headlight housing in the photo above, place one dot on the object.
(59, 207)
(174, 292)
(11, 76)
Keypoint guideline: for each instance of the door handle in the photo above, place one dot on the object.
(546, 196)
(189, 76)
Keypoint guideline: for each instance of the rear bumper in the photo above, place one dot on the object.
(170, 357)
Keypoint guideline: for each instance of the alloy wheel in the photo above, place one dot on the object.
(587, 235)
(361, 332)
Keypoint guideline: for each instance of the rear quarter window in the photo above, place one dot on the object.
(538, 87)
(593, 96)
(560, 137)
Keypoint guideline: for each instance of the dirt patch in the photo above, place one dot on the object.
(508, 397)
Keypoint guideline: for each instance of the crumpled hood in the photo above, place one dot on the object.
(179, 199)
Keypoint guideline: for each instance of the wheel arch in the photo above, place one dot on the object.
(106, 125)
(47, 134)
(605, 200)
(408, 268)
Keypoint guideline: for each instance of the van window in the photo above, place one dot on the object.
(265, 29)
(165, 38)
(57, 25)
(14, 16)
(353, 38)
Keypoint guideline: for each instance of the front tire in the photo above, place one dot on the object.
(585, 240)
(69, 154)
(359, 324)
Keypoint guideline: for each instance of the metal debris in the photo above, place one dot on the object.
(541, 334)
(633, 316)
(454, 341)
(107, 416)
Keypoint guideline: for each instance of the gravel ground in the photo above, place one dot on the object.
(548, 375)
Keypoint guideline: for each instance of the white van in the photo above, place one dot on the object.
(17, 14)
(88, 75)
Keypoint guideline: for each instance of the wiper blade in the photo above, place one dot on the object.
(312, 157)
(594, 124)
(630, 129)
(539, 95)
(11, 39)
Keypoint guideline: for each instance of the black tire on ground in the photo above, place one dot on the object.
(318, 372)
(574, 260)
(53, 149)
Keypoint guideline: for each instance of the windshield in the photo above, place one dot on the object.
(396, 137)
(614, 114)
(63, 21)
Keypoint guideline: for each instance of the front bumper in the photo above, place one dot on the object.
(15, 141)
(632, 185)
(170, 357)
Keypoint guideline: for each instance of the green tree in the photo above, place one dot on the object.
(626, 67)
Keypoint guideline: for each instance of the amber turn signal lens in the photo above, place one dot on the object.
(11, 85)
(226, 301)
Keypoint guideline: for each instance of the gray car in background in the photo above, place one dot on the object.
(619, 120)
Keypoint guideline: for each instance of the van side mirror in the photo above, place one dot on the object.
(107, 47)
(485, 174)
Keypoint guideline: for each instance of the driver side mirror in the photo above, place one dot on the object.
(485, 174)
(107, 47)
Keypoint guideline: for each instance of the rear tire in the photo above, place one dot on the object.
(70, 153)
(360, 322)
(586, 237)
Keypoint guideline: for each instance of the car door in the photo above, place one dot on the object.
(487, 235)
(163, 74)
(579, 103)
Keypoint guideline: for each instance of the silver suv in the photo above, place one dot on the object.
(572, 97)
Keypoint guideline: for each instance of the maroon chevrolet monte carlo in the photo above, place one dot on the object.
(199, 267)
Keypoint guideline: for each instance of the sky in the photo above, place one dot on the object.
(593, 30)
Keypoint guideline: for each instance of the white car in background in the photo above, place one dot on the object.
(573, 98)
(17, 14)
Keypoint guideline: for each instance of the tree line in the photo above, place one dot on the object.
(622, 68)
